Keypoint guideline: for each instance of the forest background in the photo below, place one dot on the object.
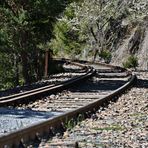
(111, 31)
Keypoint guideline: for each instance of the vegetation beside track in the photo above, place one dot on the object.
(74, 28)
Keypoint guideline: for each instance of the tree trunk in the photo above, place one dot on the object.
(95, 55)
(46, 63)
(16, 67)
(40, 65)
(25, 67)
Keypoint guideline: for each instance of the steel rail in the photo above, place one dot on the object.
(30, 91)
(37, 89)
(32, 94)
(45, 90)
(40, 93)
(113, 67)
(29, 133)
(103, 75)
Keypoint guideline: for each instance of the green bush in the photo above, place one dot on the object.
(132, 62)
(106, 55)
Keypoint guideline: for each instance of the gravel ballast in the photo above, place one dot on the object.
(14, 119)
(123, 124)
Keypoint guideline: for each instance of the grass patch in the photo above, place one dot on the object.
(110, 128)
(132, 62)
(138, 114)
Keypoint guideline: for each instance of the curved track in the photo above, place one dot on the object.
(74, 75)
(107, 83)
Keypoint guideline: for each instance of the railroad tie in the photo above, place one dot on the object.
(70, 144)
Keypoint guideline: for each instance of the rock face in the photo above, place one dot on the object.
(143, 53)
(134, 44)
(121, 54)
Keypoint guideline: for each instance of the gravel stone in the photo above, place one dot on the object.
(14, 119)
(124, 124)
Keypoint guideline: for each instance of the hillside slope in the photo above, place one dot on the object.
(122, 53)
(103, 30)
(143, 53)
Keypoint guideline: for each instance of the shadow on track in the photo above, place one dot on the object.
(142, 83)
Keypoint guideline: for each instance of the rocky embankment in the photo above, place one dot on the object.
(135, 43)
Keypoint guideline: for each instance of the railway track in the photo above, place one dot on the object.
(79, 96)
(67, 70)
(73, 72)
(106, 84)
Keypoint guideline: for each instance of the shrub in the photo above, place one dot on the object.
(132, 62)
(105, 55)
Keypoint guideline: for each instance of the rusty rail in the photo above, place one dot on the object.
(31, 95)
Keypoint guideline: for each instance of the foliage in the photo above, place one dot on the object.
(105, 55)
(132, 62)
(73, 122)
(6, 74)
(99, 25)
(91, 21)
(68, 27)
(25, 31)
(67, 38)
(111, 128)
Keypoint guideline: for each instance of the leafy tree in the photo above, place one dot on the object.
(25, 29)
(67, 35)
(99, 23)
